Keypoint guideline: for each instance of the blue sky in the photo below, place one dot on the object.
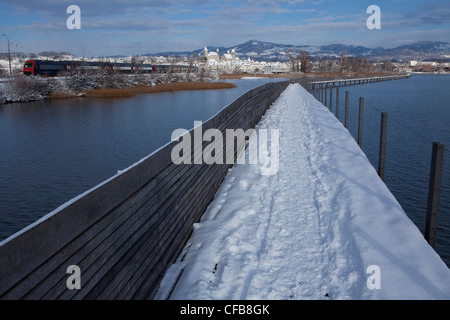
(137, 27)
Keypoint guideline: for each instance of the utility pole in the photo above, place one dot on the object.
(9, 53)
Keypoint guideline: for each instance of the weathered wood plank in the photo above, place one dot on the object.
(22, 254)
(92, 239)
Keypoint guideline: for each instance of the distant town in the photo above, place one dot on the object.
(268, 58)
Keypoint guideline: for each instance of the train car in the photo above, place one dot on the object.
(35, 67)
(52, 68)
(176, 68)
(144, 68)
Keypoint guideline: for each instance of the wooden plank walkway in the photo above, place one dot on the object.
(354, 81)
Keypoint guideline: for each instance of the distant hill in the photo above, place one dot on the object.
(268, 51)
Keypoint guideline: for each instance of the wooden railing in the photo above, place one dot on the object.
(122, 235)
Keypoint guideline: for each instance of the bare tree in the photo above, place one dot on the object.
(322, 64)
(293, 59)
(305, 62)
(191, 59)
(23, 88)
(366, 65)
(388, 65)
(137, 60)
(440, 65)
(343, 62)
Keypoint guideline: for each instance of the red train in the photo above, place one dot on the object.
(49, 67)
(52, 68)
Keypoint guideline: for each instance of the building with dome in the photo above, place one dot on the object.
(215, 56)
(211, 56)
(229, 63)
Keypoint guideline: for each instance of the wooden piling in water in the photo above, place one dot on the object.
(337, 103)
(360, 121)
(382, 153)
(434, 190)
(346, 109)
(321, 93)
(331, 97)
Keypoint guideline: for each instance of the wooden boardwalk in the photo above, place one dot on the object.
(355, 81)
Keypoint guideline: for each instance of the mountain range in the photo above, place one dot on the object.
(268, 51)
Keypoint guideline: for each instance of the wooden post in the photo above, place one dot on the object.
(326, 92)
(382, 155)
(346, 109)
(434, 190)
(360, 121)
(321, 92)
(331, 97)
(337, 103)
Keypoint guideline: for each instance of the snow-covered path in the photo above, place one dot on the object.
(323, 227)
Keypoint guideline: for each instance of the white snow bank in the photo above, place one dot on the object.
(324, 227)
(253, 78)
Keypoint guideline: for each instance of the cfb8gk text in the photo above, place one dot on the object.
(246, 309)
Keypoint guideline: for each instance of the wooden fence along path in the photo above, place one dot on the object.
(125, 233)
(354, 81)
(319, 89)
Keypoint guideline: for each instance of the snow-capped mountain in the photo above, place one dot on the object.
(268, 51)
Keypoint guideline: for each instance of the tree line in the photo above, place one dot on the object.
(302, 62)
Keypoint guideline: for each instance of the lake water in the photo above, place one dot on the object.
(418, 113)
(52, 151)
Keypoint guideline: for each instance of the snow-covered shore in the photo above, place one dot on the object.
(21, 88)
(323, 227)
